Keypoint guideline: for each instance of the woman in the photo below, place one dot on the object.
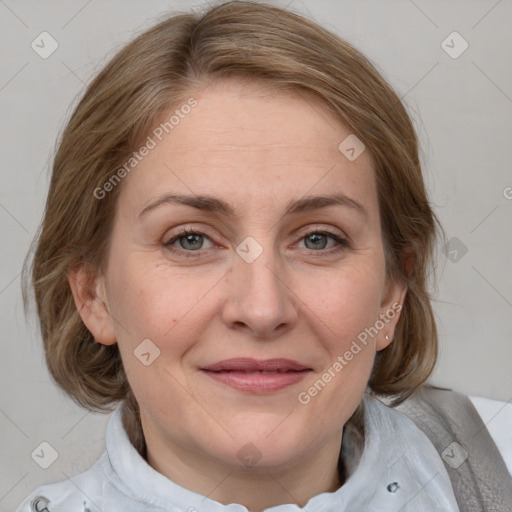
(235, 251)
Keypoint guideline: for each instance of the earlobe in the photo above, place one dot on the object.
(91, 302)
(408, 261)
(390, 312)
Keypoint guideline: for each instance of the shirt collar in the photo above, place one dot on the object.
(388, 467)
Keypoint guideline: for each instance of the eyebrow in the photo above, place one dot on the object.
(215, 205)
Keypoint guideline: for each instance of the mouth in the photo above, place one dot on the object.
(255, 376)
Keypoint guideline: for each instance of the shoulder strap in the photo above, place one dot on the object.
(480, 479)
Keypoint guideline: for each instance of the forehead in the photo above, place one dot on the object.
(251, 145)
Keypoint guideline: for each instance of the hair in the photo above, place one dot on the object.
(129, 97)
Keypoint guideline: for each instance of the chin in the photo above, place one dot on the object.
(258, 449)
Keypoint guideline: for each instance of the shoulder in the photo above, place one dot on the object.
(497, 417)
(396, 450)
(433, 404)
(381, 417)
(80, 492)
(479, 421)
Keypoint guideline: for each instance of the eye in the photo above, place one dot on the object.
(188, 241)
(317, 241)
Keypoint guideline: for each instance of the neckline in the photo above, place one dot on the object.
(136, 478)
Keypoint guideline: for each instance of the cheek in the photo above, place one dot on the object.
(151, 301)
(346, 304)
(349, 304)
(174, 312)
(151, 304)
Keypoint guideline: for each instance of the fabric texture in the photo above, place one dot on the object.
(399, 470)
(478, 473)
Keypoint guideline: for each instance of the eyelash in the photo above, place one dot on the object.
(342, 243)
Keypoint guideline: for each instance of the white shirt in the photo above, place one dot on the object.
(399, 470)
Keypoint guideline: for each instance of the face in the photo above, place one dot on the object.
(256, 270)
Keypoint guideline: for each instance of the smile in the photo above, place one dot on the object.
(257, 381)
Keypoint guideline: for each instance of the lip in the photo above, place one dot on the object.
(247, 364)
(245, 374)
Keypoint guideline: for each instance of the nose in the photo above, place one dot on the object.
(260, 301)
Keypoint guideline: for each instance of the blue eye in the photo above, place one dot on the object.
(191, 242)
(319, 237)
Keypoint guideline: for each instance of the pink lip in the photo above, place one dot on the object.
(253, 365)
(245, 374)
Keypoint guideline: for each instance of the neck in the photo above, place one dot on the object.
(257, 488)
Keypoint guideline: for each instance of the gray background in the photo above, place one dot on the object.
(462, 108)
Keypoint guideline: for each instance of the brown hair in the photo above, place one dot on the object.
(126, 100)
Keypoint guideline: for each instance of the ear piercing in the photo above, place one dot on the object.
(387, 337)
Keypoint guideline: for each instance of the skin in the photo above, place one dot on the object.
(256, 149)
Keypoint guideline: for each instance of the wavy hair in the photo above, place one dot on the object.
(129, 97)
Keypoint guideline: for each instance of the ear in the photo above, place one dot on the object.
(91, 301)
(390, 308)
